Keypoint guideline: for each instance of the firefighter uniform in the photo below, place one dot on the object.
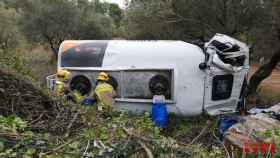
(63, 77)
(62, 89)
(104, 93)
(77, 97)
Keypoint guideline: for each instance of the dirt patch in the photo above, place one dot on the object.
(272, 82)
(193, 130)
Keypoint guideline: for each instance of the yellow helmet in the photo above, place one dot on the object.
(63, 75)
(102, 76)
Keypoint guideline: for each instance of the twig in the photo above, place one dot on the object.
(200, 134)
(148, 151)
(134, 135)
(86, 149)
(36, 119)
(71, 123)
(228, 155)
(59, 147)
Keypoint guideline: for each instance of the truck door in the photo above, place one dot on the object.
(222, 91)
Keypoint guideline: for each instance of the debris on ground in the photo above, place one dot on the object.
(21, 98)
(32, 124)
(257, 134)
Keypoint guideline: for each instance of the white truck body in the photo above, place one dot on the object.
(134, 63)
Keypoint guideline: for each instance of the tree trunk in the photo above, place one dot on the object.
(263, 72)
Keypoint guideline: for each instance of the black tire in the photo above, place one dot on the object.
(82, 84)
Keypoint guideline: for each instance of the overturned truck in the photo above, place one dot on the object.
(196, 79)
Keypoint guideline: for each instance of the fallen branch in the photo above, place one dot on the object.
(134, 135)
(148, 151)
(200, 134)
(228, 155)
(59, 147)
(71, 124)
(85, 152)
(30, 123)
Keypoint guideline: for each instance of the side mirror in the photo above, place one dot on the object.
(202, 66)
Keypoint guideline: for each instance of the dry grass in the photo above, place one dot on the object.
(41, 62)
(269, 95)
(268, 91)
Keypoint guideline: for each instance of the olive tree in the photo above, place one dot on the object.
(192, 19)
(9, 34)
(53, 21)
(266, 69)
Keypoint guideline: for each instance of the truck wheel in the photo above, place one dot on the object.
(81, 84)
(163, 81)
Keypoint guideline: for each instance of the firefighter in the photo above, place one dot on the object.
(61, 87)
(63, 90)
(104, 93)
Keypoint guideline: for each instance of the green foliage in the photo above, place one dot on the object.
(12, 122)
(53, 21)
(13, 61)
(111, 9)
(273, 136)
(9, 33)
(188, 19)
(120, 135)
(14, 127)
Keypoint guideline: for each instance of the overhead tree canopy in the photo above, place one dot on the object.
(192, 19)
(54, 21)
(9, 37)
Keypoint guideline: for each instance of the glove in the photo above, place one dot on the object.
(77, 97)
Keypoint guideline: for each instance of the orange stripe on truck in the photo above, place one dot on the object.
(68, 45)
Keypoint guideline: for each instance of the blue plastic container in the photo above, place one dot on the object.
(224, 125)
(160, 115)
(88, 102)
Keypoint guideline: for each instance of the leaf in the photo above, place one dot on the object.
(74, 145)
(30, 152)
(2, 146)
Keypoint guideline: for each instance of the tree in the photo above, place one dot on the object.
(9, 34)
(110, 9)
(192, 19)
(53, 21)
(187, 20)
(265, 70)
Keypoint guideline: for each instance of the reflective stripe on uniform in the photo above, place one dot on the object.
(59, 87)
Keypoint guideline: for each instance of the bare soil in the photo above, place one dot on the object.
(272, 82)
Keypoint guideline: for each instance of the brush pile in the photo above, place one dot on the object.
(34, 124)
(21, 98)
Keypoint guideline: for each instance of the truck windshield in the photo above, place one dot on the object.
(88, 54)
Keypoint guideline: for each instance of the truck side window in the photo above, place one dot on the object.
(139, 84)
(222, 87)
